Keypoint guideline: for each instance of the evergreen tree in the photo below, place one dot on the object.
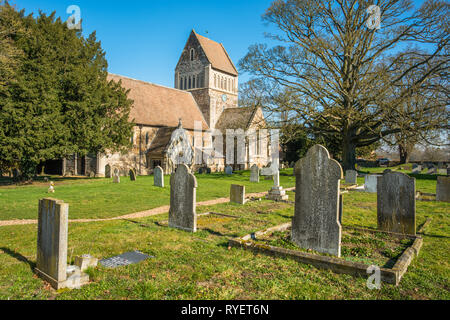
(61, 101)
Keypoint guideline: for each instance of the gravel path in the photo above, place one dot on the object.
(136, 215)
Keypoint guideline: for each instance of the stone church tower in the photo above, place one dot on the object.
(207, 72)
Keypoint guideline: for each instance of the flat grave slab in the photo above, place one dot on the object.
(124, 259)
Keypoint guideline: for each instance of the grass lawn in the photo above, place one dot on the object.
(100, 198)
(200, 265)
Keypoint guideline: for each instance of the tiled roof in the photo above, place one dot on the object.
(156, 105)
(217, 55)
(235, 118)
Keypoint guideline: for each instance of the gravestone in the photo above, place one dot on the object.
(254, 173)
(416, 169)
(370, 183)
(432, 170)
(124, 259)
(315, 224)
(237, 194)
(108, 173)
(228, 170)
(182, 213)
(116, 176)
(51, 261)
(132, 175)
(350, 176)
(443, 189)
(442, 171)
(396, 203)
(158, 177)
(277, 193)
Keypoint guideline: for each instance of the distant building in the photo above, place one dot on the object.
(206, 90)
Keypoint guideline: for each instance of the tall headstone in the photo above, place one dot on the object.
(116, 177)
(443, 189)
(350, 176)
(108, 173)
(228, 170)
(182, 213)
(52, 234)
(132, 175)
(396, 203)
(237, 194)
(158, 177)
(51, 262)
(315, 224)
(370, 183)
(254, 173)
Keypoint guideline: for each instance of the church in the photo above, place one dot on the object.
(205, 92)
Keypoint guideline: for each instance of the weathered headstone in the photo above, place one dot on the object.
(443, 189)
(116, 176)
(51, 262)
(370, 183)
(132, 175)
(237, 194)
(125, 259)
(182, 213)
(108, 173)
(254, 173)
(396, 203)
(158, 177)
(228, 170)
(315, 224)
(350, 176)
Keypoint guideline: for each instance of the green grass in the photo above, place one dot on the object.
(201, 266)
(100, 198)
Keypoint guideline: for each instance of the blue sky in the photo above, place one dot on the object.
(144, 39)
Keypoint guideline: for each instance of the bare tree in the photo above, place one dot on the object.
(348, 76)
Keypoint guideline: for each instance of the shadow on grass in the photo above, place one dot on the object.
(6, 181)
(19, 257)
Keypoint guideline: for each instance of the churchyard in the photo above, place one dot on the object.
(203, 264)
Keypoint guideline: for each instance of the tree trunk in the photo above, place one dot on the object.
(348, 155)
(404, 153)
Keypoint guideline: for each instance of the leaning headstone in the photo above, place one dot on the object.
(182, 213)
(315, 224)
(228, 170)
(417, 169)
(132, 175)
(108, 173)
(51, 262)
(443, 189)
(237, 194)
(396, 203)
(350, 176)
(432, 170)
(158, 177)
(254, 173)
(370, 183)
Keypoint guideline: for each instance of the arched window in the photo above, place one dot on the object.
(181, 83)
(185, 83)
(215, 81)
(192, 54)
(190, 83)
(147, 138)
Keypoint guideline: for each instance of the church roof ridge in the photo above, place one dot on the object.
(146, 82)
(210, 48)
